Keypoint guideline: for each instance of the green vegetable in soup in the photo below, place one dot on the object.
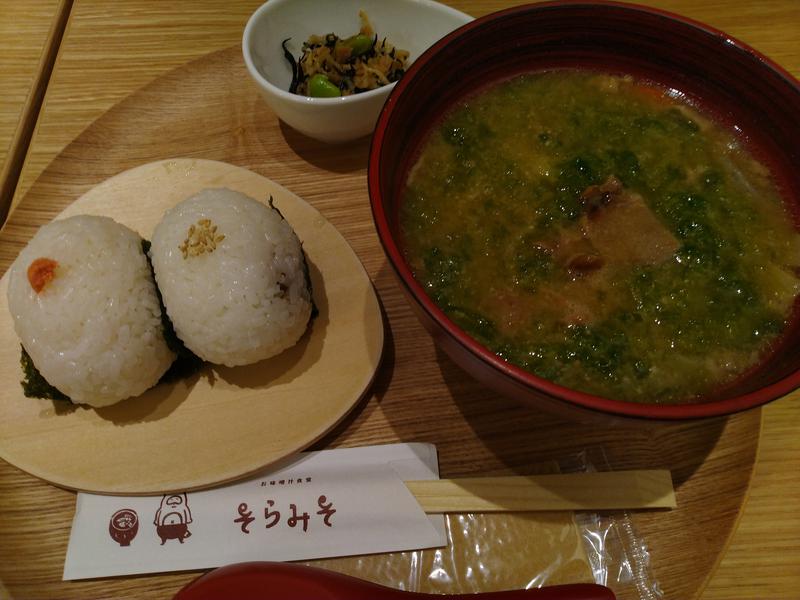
(604, 234)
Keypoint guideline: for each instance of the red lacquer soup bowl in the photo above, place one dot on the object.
(739, 86)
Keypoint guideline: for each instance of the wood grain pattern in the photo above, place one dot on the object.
(30, 33)
(111, 49)
(571, 491)
(419, 394)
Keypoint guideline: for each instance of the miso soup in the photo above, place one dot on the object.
(604, 234)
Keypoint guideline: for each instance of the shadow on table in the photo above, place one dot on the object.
(338, 158)
(520, 436)
(155, 404)
(425, 397)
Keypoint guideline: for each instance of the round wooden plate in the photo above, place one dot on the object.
(226, 422)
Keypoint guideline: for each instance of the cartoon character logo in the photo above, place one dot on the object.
(123, 526)
(173, 518)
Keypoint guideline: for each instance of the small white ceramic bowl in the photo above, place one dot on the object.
(412, 25)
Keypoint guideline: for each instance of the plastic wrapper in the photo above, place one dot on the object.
(618, 555)
(503, 551)
(485, 552)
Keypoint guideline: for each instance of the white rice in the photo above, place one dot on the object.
(245, 300)
(94, 331)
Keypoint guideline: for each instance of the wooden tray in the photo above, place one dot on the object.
(210, 108)
(225, 423)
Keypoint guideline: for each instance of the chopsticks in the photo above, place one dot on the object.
(571, 491)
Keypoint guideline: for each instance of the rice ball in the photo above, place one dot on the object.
(232, 276)
(85, 306)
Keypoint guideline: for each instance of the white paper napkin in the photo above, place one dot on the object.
(317, 504)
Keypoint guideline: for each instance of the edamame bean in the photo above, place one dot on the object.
(359, 44)
(319, 86)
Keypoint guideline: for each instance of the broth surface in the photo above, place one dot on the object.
(603, 234)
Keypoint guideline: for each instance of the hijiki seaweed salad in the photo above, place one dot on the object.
(330, 66)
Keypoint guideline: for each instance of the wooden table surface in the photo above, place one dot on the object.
(30, 33)
(111, 49)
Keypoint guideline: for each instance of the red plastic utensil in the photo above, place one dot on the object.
(286, 581)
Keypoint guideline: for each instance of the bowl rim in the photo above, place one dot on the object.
(362, 97)
(528, 380)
